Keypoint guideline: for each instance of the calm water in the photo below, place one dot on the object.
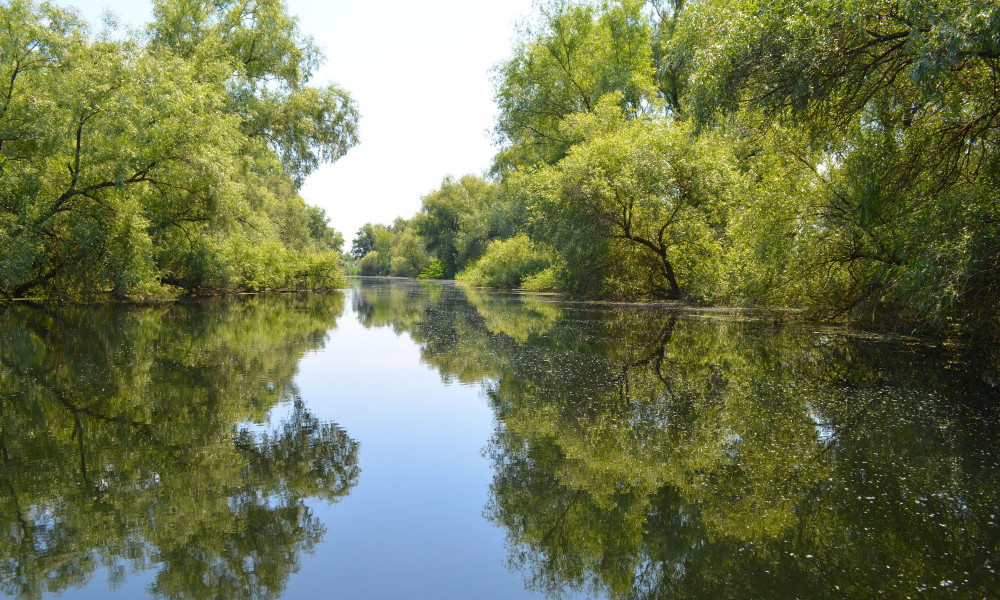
(408, 440)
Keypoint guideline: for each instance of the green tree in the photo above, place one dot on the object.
(646, 185)
(321, 232)
(269, 63)
(434, 270)
(364, 241)
(564, 64)
(447, 221)
(122, 130)
(132, 163)
(369, 263)
(507, 263)
(409, 256)
(900, 97)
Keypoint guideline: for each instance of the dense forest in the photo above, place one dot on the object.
(829, 155)
(832, 155)
(164, 161)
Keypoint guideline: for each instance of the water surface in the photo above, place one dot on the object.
(417, 440)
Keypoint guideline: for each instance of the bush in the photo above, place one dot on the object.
(369, 263)
(435, 270)
(400, 267)
(507, 263)
(546, 280)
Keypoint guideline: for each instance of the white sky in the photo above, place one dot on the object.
(420, 73)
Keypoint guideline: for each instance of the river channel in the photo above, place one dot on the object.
(421, 440)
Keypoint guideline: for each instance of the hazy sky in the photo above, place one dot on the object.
(420, 72)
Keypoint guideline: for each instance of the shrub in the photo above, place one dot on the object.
(435, 270)
(546, 280)
(507, 263)
(369, 263)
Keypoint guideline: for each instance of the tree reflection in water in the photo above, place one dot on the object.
(121, 445)
(637, 453)
(644, 454)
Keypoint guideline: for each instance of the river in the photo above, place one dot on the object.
(419, 440)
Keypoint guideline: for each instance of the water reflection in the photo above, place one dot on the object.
(122, 446)
(640, 454)
(636, 453)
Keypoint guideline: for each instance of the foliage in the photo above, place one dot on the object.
(825, 154)
(546, 280)
(128, 164)
(369, 264)
(409, 257)
(454, 225)
(900, 101)
(646, 185)
(364, 241)
(507, 263)
(433, 271)
(383, 250)
(454, 221)
(574, 54)
(150, 429)
(269, 62)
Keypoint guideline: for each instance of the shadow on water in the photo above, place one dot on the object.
(643, 454)
(123, 445)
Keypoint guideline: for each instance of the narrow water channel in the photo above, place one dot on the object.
(420, 440)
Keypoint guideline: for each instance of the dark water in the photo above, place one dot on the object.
(405, 440)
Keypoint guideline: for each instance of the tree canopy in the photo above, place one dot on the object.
(828, 155)
(131, 164)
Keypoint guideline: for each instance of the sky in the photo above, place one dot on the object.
(421, 75)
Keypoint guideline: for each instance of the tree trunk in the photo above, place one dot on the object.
(668, 273)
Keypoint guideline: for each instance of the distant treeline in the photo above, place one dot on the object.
(832, 155)
(166, 160)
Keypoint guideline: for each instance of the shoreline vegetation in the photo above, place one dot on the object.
(836, 157)
(164, 161)
(837, 327)
(828, 156)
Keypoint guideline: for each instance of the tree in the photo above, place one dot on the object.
(409, 256)
(269, 62)
(364, 241)
(647, 184)
(434, 270)
(564, 64)
(901, 98)
(127, 140)
(369, 263)
(321, 232)
(451, 221)
(508, 263)
(131, 164)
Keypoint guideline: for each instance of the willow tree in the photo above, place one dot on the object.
(563, 64)
(269, 63)
(91, 130)
(638, 206)
(131, 163)
(902, 100)
(459, 219)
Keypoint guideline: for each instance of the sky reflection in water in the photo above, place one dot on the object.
(423, 441)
